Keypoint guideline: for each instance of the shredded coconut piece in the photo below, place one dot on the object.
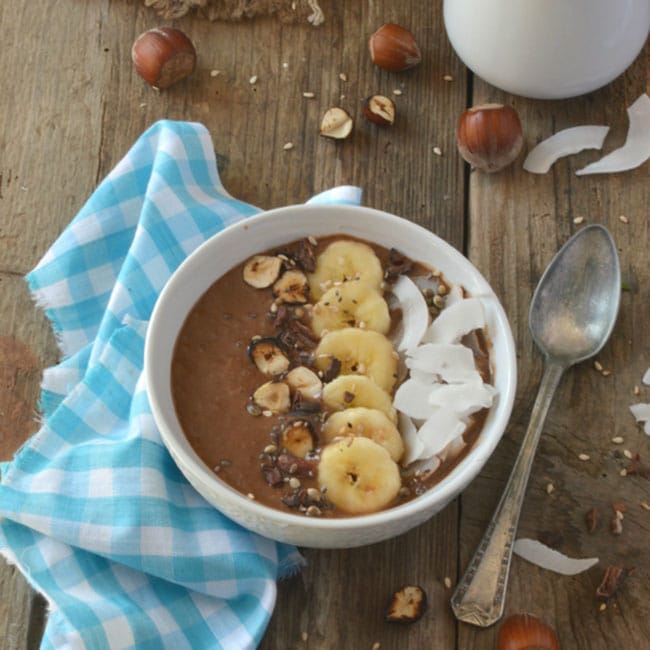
(456, 321)
(548, 558)
(564, 143)
(317, 17)
(641, 412)
(636, 149)
(415, 313)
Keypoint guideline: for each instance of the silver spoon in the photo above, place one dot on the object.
(571, 316)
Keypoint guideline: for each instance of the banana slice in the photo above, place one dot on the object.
(361, 352)
(345, 260)
(351, 304)
(358, 475)
(369, 423)
(350, 391)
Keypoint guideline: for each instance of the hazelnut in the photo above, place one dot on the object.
(489, 136)
(524, 632)
(393, 48)
(380, 110)
(163, 55)
(336, 124)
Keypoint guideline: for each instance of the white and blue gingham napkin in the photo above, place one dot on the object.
(92, 509)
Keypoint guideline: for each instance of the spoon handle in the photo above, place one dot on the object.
(479, 597)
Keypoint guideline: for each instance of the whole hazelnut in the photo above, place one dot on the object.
(393, 48)
(489, 136)
(163, 55)
(526, 632)
(380, 110)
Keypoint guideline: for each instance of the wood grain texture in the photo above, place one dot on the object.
(72, 108)
(517, 223)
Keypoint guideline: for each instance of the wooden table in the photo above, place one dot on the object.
(71, 106)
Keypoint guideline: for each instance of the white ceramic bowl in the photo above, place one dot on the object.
(238, 242)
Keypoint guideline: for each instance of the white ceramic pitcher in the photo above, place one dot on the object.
(547, 49)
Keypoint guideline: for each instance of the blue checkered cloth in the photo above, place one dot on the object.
(92, 509)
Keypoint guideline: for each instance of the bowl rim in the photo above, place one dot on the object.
(188, 460)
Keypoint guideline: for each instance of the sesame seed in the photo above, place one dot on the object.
(637, 390)
(376, 645)
(645, 505)
(617, 440)
(627, 453)
(439, 301)
(287, 146)
(447, 77)
(251, 496)
(584, 456)
(549, 488)
(606, 373)
(215, 73)
(623, 219)
(294, 482)
(447, 582)
(578, 220)
(397, 92)
(267, 414)
(598, 366)
(442, 289)
(253, 80)
(304, 636)
(343, 76)
(623, 472)
(308, 95)
(437, 151)
(313, 511)
(602, 607)
(312, 240)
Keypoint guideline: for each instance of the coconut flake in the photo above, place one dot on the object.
(646, 377)
(462, 399)
(548, 558)
(564, 143)
(453, 449)
(455, 295)
(412, 399)
(641, 412)
(636, 149)
(455, 321)
(439, 430)
(453, 363)
(415, 313)
(413, 446)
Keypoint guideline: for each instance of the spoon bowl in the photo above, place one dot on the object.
(574, 307)
(572, 315)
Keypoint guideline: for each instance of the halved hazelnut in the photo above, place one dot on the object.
(262, 271)
(407, 605)
(380, 110)
(267, 354)
(336, 124)
(305, 381)
(274, 396)
(292, 288)
(297, 438)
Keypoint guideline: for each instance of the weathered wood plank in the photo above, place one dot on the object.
(517, 222)
(74, 105)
